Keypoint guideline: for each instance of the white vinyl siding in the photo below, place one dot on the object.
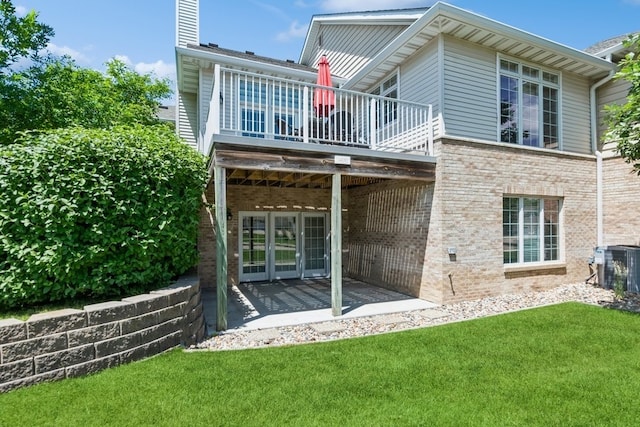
(187, 125)
(206, 89)
(351, 47)
(420, 79)
(575, 115)
(614, 92)
(469, 107)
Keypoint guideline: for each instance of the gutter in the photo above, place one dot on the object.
(594, 149)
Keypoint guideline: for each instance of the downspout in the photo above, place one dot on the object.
(594, 149)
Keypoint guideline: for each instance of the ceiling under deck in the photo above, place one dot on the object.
(277, 179)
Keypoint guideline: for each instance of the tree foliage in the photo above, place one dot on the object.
(20, 36)
(56, 93)
(624, 120)
(96, 213)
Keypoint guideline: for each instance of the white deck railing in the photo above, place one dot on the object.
(258, 106)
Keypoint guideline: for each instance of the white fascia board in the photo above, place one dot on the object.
(217, 58)
(441, 9)
(618, 48)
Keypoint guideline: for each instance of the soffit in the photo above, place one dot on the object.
(446, 19)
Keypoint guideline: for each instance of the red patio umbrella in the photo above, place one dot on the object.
(323, 99)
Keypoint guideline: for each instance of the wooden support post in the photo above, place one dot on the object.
(336, 245)
(220, 188)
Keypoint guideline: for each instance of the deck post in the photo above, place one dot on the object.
(336, 245)
(305, 114)
(430, 130)
(373, 112)
(219, 177)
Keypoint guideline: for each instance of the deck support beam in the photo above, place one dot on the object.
(220, 188)
(336, 244)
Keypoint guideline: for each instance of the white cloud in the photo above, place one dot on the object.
(21, 10)
(295, 31)
(159, 69)
(66, 50)
(366, 5)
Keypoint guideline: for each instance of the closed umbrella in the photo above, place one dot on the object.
(324, 100)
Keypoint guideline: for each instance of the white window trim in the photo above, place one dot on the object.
(542, 69)
(521, 265)
(380, 82)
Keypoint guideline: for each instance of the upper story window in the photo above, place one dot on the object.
(529, 105)
(387, 111)
(265, 106)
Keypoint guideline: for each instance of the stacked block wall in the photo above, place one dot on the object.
(70, 343)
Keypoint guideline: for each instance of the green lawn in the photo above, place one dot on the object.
(569, 364)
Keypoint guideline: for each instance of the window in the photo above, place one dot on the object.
(530, 229)
(529, 105)
(388, 110)
(267, 107)
(253, 97)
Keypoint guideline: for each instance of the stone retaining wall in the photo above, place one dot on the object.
(70, 343)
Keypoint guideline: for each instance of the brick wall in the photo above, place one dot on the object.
(621, 203)
(70, 343)
(388, 229)
(471, 180)
(248, 198)
(397, 233)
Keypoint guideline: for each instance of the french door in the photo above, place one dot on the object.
(282, 245)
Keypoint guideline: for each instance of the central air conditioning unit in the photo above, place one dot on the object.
(619, 262)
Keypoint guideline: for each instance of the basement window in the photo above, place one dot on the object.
(530, 230)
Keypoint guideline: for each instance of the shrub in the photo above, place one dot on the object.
(96, 213)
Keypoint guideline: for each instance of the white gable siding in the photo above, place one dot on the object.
(576, 134)
(470, 95)
(614, 92)
(187, 124)
(351, 47)
(420, 79)
(206, 88)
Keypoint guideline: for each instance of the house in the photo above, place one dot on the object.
(459, 157)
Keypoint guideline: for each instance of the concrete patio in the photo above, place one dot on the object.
(260, 305)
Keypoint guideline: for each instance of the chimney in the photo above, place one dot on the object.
(187, 22)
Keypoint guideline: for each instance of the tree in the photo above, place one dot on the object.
(56, 93)
(624, 120)
(20, 37)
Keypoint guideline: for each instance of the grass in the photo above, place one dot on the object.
(569, 364)
(26, 312)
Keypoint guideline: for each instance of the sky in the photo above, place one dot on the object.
(142, 32)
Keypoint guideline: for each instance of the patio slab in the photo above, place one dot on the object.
(264, 305)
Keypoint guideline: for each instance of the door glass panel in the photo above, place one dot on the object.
(253, 244)
(285, 243)
(314, 239)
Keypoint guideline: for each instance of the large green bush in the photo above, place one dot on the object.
(91, 213)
